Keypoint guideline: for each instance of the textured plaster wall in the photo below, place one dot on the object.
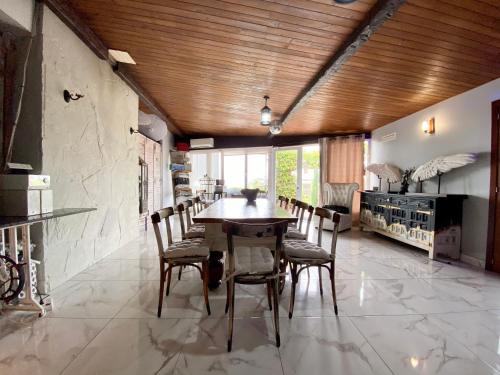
(463, 124)
(88, 152)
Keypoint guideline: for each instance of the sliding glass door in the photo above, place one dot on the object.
(297, 173)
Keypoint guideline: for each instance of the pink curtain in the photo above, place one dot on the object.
(344, 163)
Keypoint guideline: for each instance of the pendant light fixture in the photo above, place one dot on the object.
(265, 113)
(275, 127)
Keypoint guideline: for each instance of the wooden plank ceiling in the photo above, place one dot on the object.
(208, 63)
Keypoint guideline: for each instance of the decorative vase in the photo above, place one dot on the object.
(250, 194)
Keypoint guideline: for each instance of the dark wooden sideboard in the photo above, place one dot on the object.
(430, 222)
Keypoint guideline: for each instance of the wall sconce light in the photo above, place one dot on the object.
(132, 131)
(428, 126)
(69, 96)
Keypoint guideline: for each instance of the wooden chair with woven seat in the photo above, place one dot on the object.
(197, 205)
(189, 229)
(293, 205)
(295, 232)
(302, 255)
(253, 265)
(283, 202)
(189, 252)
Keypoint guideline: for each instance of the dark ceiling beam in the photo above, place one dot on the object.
(67, 14)
(382, 11)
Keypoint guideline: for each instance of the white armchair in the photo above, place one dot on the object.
(341, 195)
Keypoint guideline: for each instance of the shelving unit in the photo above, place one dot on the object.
(181, 176)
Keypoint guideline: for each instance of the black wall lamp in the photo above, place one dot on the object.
(69, 96)
(132, 131)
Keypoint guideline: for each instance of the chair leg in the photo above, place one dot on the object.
(227, 297)
(162, 285)
(320, 281)
(204, 267)
(169, 277)
(180, 273)
(293, 268)
(282, 279)
(275, 287)
(269, 301)
(334, 293)
(231, 316)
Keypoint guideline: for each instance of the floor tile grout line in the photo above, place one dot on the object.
(103, 328)
(466, 347)
(371, 346)
(85, 347)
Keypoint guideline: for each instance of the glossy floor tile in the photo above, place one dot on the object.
(399, 313)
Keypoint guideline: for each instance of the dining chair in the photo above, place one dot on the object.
(189, 252)
(198, 205)
(295, 232)
(253, 265)
(302, 255)
(293, 203)
(190, 229)
(284, 202)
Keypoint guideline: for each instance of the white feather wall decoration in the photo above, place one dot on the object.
(440, 165)
(389, 172)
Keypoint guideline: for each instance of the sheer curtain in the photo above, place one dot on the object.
(341, 160)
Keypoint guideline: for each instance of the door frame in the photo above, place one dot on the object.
(494, 183)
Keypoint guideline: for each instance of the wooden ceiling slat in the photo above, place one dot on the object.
(209, 62)
(450, 18)
(148, 18)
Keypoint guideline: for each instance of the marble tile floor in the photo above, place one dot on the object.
(399, 313)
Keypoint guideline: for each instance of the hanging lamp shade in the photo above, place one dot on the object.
(276, 127)
(265, 113)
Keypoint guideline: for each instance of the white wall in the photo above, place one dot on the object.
(88, 152)
(463, 124)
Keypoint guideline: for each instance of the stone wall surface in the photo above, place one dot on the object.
(88, 152)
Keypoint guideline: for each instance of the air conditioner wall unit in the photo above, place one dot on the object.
(202, 143)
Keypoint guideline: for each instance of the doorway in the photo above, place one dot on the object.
(493, 252)
(297, 172)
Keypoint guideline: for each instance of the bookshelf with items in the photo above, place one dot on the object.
(180, 167)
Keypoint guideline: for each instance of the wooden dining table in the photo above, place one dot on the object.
(260, 211)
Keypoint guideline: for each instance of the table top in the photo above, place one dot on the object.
(14, 221)
(261, 211)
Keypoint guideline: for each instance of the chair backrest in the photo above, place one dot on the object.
(293, 203)
(198, 205)
(156, 218)
(281, 200)
(300, 211)
(232, 228)
(181, 207)
(340, 194)
(310, 211)
(328, 215)
(187, 205)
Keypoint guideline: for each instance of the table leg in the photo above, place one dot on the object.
(215, 269)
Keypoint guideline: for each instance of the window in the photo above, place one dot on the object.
(199, 166)
(234, 173)
(257, 176)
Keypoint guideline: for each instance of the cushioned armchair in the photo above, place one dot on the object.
(338, 197)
